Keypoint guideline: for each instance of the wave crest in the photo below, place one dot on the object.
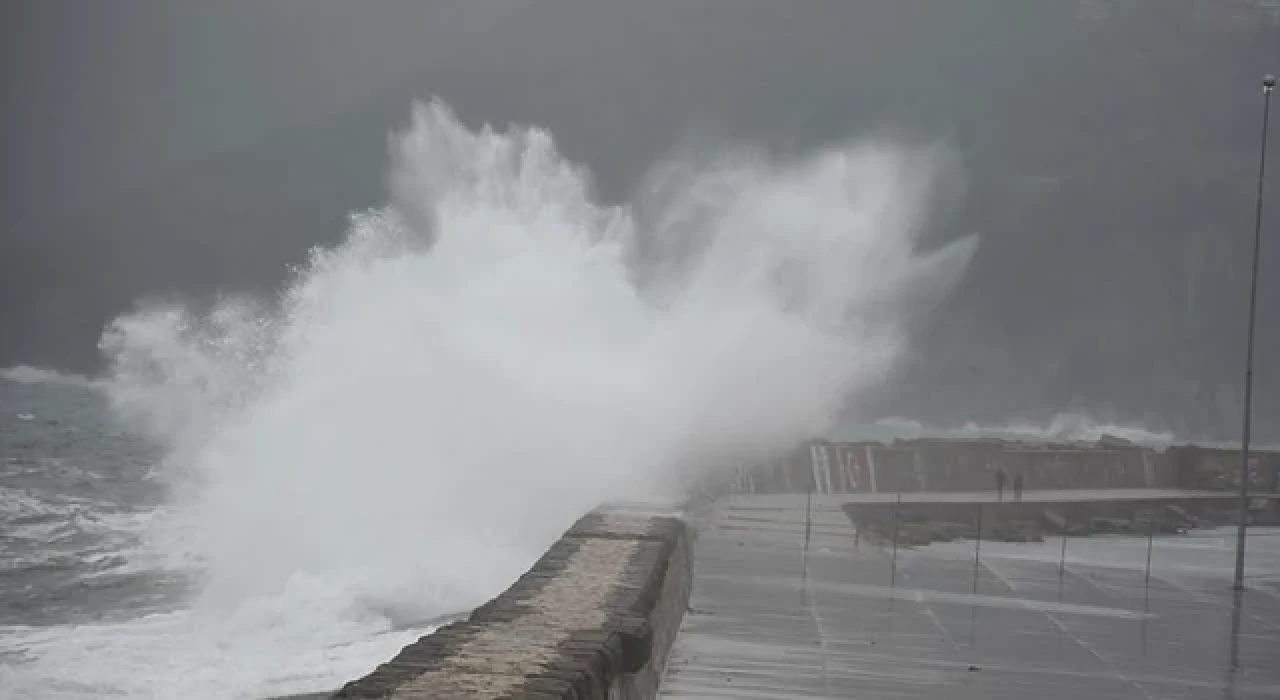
(430, 403)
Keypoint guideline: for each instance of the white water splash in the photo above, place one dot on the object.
(432, 402)
(25, 374)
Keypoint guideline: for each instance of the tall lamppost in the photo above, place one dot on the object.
(1268, 84)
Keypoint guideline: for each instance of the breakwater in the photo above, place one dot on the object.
(595, 617)
(920, 519)
(968, 465)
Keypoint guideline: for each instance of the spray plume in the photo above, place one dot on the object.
(428, 404)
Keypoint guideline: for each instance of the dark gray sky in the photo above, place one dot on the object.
(157, 147)
(106, 94)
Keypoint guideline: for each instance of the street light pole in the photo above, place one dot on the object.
(1268, 83)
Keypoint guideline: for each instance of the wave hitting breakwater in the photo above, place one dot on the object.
(404, 428)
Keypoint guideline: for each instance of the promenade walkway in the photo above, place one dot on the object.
(768, 620)
(773, 501)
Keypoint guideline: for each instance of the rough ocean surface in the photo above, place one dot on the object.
(75, 497)
(93, 602)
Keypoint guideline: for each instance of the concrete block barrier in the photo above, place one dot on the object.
(595, 617)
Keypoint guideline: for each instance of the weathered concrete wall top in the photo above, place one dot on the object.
(593, 618)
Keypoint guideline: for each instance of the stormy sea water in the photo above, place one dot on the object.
(271, 496)
(96, 589)
(76, 493)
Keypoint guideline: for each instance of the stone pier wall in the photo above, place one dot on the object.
(595, 617)
(970, 465)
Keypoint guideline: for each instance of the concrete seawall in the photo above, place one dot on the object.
(966, 465)
(595, 617)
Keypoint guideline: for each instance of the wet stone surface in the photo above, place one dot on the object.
(572, 626)
(767, 621)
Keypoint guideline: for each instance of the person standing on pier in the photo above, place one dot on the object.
(1000, 478)
(1017, 487)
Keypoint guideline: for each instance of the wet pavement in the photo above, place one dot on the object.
(1026, 621)
(1038, 496)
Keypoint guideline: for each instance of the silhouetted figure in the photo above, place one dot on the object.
(1017, 487)
(1000, 479)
